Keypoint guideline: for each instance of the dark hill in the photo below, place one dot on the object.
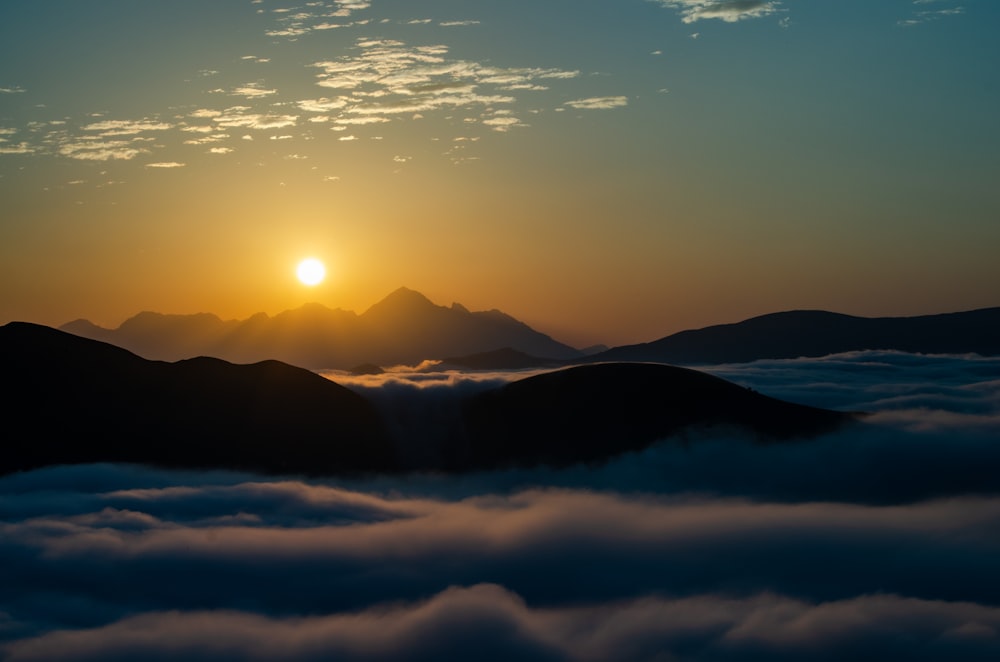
(70, 399)
(590, 413)
(74, 400)
(818, 333)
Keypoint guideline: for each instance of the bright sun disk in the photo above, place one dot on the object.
(311, 271)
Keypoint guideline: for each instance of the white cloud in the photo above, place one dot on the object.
(166, 164)
(729, 11)
(19, 148)
(93, 150)
(126, 127)
(12, 90)
(252, 91)
(598, 103)
(238, 117)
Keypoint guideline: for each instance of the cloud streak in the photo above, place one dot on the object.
(729, 11)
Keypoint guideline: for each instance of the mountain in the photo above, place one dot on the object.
(74, 400)
(70, 399)
(504, 358)
(818, 333)
(590, 413)
(403, 328)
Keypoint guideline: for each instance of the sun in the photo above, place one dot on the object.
(311, 271)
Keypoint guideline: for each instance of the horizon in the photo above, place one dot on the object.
(605, 173)
(361, 312)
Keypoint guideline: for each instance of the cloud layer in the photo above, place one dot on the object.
(872, 544)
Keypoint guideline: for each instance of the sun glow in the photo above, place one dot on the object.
(311, 271)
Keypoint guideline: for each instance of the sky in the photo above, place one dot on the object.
(876, 542)
(607, 171)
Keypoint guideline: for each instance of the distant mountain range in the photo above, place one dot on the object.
(799, 333)
(407, 328)
(403, 328)
(75, 400)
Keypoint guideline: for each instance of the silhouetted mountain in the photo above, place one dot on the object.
(403, 328)
(818, 333)
(590, 413)
(500, 359)
(75, 400)
(72, 399)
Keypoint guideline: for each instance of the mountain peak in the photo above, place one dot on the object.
(400, 301)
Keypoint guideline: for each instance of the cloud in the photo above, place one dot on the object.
(928, 15)
(315, 16)
(14, 89)
(126, 127)
(19, 148)
(486, 621)
(238, 116)
(165, 164)
(875, 543)
(252, 91)
(96, 150)
(729, 11)
(390, 78)
(598, 103)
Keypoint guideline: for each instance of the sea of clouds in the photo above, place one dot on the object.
(881, 541)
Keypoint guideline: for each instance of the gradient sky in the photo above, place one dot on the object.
(604, 170)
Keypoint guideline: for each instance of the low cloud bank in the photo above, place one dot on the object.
(878, 542)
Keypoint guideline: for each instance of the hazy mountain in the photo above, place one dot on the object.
(75, 400)
(405, 327)
(818, 333)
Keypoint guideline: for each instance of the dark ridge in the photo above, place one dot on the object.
(506, 358)
(70, 400)
(74, 400)
(810, 333)
(591, 413)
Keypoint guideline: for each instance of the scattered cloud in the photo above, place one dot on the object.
(165, 164)
(928, 15)
(126, 127)
(97, 150)
(389, 78)
(252, 91)
(19, 148)
(239, 116)
(598, 103)
(14, 89)
(729, 11)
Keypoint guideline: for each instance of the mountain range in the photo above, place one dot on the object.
(810, 333)
(403, 328)
(74, 400)
(407, 328)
